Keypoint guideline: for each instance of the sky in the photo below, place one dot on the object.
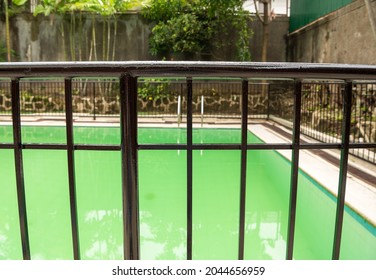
(279, 6)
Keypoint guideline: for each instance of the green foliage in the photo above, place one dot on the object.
(183, 34)
(188, 27)
(162, 10)
(102, 7)
(14, 6)
(196, 26)
(48, 7)
(107, 10)
(3, 52)
(153, 89)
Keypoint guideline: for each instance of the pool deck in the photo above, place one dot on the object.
(360, 193)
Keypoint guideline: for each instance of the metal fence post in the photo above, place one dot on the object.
(18, 160)
(243, 169)
(268, 103)
(71, 168)
(346, 122)
(189, 168)
(94, 102)
(294, 169)
(128, 123)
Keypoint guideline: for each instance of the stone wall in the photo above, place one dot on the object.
(277, 47)
(158, 99)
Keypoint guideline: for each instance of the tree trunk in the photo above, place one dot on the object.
(73, 36)
(265, 34)
(63, 38)
(115, 34)
(108, 39)
(80, 40)
(7, 31)
(104, 40)
(94, 40)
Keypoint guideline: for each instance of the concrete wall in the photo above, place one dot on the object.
(277, 39)
(41, 39)
(344, 36)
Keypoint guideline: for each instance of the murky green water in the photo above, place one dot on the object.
(162, 193)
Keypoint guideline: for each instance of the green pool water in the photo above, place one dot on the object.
(162, 201)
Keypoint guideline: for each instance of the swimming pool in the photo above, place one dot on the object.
(162, 201)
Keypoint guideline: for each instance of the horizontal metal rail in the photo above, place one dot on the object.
(127, 74)
(261, 146)
(189, 69)
(319, 102)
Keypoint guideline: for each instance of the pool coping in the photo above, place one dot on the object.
(360, 196)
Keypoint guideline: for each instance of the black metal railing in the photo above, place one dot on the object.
(126, 76)
(321, 113)
(157, 97)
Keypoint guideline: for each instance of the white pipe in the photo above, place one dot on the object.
(202, 110)
(179, 110)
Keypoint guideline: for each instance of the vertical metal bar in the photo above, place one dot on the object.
(372, 111)
(304, 118)
(361, 118)
(314, 98)
(338, 88)
(369, 113)
(71, 167)
(319, 114)
(128, 122)
(189, 168)
(294, 169)
(243, 168)
(94, 102)
(123, 123)
(18, 159)
(343, 169)
(268, 102)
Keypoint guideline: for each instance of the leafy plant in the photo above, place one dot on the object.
(27, 95)
(3, 52)
(154, 89)
(16, 7)
(108, 10)
(188, 35)
(194, 27)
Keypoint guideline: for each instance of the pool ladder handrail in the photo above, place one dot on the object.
(202, 110)
(179, 110)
